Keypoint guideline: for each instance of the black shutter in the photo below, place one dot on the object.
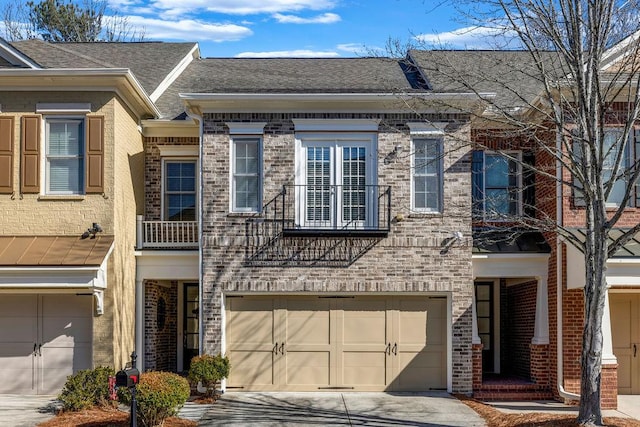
(528, 184)
(578, 197)
(477, 178)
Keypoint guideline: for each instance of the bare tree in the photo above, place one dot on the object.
(579, 110)
(60, 21)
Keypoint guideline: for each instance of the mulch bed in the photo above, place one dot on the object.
(495, 418)
(104, 417)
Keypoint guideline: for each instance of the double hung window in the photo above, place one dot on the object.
(180, 190)
(65, 155)
(246, 175)
(427, 175)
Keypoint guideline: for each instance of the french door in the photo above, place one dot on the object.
(336, 185)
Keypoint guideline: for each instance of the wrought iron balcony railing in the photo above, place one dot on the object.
(335, 210)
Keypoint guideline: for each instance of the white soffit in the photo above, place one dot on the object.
(510, 265)
(179, 150)
(620, 271)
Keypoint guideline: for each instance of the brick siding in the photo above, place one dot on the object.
(160, 344)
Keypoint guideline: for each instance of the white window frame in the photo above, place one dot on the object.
(336, 141)
(512, 156)
(258, 139)
(439, 140)
(166, 160)
(46, 180)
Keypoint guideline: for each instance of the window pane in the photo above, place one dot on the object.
(65, 138)
(427, 183)
(180, 191)
(496, 171)
(65, 175)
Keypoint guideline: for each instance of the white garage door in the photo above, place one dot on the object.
(43, 339)
(355, 343)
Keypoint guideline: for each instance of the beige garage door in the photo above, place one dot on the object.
(625, 329)
(336, 343)
(43, 339)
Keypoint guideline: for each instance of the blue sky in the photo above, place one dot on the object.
(300, 28)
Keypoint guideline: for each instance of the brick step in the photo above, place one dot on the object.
(513, 395)
(513, 387)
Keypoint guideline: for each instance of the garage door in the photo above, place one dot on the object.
(625, 329)
(355, 343)
(43, 339)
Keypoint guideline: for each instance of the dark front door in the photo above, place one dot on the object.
(190, 315)
(484, 312)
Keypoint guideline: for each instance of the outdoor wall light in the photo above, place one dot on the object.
(92, 231)
(393, 155)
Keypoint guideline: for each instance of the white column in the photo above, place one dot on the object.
(541, 328)
(608, 358)
(139, 232)
(475, 338)
(140, 323)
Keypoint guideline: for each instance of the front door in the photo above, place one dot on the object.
(190, 322)
(625, 328)
(484, 314)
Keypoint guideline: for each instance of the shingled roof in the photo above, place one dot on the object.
(511, 75)
(288, 75)
(150, 62)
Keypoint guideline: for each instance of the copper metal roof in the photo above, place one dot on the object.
(53, 251)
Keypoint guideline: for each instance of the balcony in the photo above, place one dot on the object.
(166, 234)
(335, 210)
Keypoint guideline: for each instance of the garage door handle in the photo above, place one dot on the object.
(35, 347)
(388, 349)
(275, 349)
(395, 349)
(282, 349)
(634, 350)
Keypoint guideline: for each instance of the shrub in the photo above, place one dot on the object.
(209, 371)
(86, 389)
(159, 396)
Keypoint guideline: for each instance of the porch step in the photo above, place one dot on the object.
(512, 391)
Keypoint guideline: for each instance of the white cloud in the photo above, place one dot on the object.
(325, 18)
(300, 53)
(356, 48)
(241, 7)
(188, 29)
(467, 38)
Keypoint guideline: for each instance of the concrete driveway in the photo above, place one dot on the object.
(350, 409)
(25, 411)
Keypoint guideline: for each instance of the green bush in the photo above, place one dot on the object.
(86, 389)
(209, 371)
(159, 396)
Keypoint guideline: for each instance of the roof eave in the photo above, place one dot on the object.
(119, 79)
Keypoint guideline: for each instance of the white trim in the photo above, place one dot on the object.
(498, 265)
(179, 151)
(422, 128)
(163, 176)
(336, 125)
(63, 107)
(437, 137)
(622, 272)
(14, 56)
(232, 162)
(174, 73)
(167, 265)
(244, 128)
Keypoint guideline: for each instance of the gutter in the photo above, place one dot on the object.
(559, 272)
(328, 96)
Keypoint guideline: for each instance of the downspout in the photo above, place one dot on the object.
(559, 219)
(198, 118)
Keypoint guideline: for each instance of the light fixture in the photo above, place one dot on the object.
(392, 156)
(92, 231)
(449, 241)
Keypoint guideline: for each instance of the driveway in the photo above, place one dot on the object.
(349, 409)
(25, 411)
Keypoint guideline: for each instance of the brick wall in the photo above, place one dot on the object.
(408, 260)
(160, 351)
(520, 322)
